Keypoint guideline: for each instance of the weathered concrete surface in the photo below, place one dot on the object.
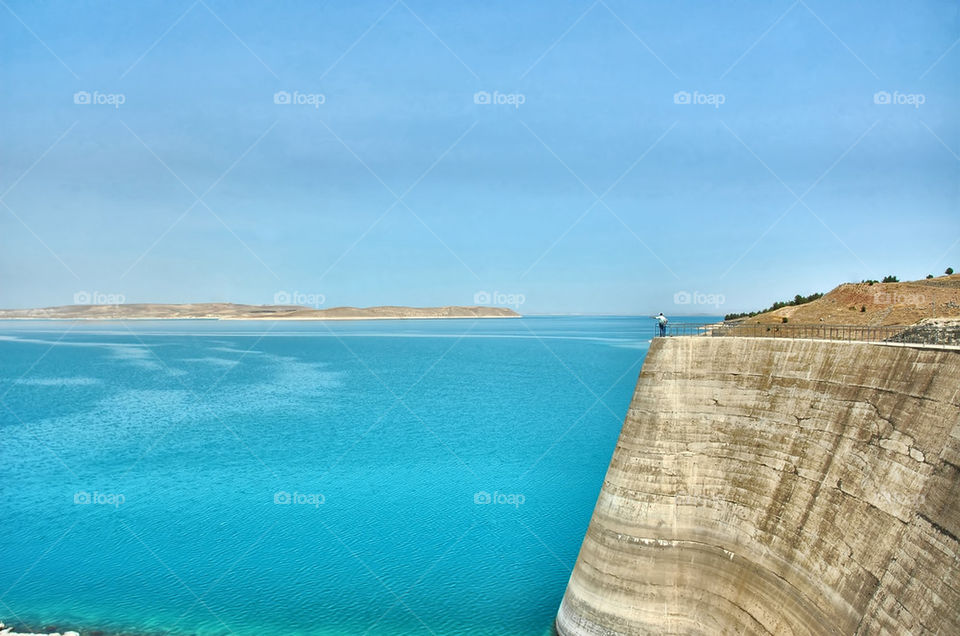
(778, 486)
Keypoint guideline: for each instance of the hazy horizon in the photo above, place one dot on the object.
(590, 157)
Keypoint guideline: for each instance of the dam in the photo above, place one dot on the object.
(778, 486)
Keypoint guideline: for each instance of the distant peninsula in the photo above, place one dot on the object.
(232, 311)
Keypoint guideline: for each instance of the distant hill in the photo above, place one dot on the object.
(230, 311)
(874, 304)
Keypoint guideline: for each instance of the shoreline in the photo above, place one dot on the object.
(6, 630)
(232, 311)
(260, 319)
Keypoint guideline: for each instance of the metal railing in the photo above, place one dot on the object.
(917, 334)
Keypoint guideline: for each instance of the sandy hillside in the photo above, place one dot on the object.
(879, 304)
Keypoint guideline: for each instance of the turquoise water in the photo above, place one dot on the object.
(205, 478)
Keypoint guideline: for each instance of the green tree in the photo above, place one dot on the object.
(929, 276)
(890, 279)
(949, 271)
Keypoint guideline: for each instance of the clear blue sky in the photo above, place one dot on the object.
(293, 197)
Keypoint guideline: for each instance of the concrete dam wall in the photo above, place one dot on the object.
(778, 486)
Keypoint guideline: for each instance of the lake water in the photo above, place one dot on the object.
(381, 477)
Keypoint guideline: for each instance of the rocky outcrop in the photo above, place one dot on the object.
(933, 330)
(778, 486)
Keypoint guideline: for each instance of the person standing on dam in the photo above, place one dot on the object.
(661, 323)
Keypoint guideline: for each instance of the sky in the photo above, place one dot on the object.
(605, 156)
